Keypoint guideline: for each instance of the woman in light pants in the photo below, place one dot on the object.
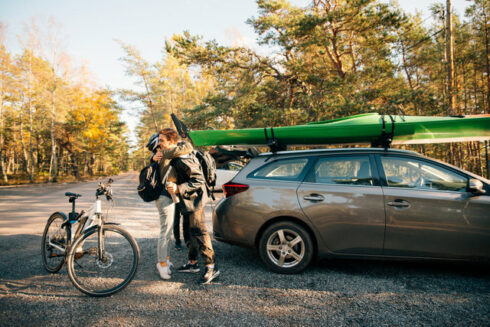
(166, 210)
(166, 149)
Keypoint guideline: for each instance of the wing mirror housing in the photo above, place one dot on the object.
(475, 186)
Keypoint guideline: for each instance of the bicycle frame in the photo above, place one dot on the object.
(86, 220)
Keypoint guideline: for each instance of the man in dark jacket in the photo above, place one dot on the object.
(191, 188)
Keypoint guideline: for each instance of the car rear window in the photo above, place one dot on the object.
(350, 170)
(286, 169)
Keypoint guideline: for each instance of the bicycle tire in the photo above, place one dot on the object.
(96, 277)
(54, 258)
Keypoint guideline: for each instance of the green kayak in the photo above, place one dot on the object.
(372, 128)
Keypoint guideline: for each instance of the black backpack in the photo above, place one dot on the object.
(207, 162)
(208, 165)
(150, 186)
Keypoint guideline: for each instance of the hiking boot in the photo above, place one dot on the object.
(189, 267)
(164, 271)
(209, 275)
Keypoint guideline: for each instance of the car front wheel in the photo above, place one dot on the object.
(286, 248)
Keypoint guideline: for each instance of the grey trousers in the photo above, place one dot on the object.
(166, 209)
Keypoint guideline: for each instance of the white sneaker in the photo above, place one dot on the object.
(164, 271)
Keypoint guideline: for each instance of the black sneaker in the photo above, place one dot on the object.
(189, 267)
(209, 275)
(178, 245)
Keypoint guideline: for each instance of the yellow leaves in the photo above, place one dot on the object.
(93, 115)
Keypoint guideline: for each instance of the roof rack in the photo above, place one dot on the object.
(385, 138)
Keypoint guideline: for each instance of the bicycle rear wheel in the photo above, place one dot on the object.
(54, 243)
(113, 271)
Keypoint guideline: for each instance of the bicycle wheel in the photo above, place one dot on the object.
(107, 275)
(54, 243)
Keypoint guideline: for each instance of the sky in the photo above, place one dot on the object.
(90, 28)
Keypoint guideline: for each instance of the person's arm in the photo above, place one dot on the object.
(180, 150)
(196, 178)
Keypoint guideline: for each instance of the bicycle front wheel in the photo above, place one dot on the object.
(54, 243)
(98, 272)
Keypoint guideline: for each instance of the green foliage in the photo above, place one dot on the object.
(338, 58)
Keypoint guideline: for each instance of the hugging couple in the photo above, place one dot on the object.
(185, 187)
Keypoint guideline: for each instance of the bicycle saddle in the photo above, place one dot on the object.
(75, 195)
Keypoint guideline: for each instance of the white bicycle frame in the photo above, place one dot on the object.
(94, 216)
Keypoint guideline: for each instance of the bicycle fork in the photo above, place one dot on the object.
(100, 232)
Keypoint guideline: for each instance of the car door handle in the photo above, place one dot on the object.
(314, 197)
(399, 204)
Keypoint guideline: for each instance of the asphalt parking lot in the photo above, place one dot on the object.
(329, 293)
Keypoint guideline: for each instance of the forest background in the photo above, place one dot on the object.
(332, 59)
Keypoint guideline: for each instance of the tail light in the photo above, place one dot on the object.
(231, 188)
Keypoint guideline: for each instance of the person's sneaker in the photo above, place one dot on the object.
(178, 245)
(163, 271)
(189, 267)
(79, 253)
(209, 275)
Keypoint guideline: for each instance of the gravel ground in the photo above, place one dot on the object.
(329, 293)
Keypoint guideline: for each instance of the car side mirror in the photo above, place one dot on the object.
(475, 186)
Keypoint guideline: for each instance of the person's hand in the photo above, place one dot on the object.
(157, 156)
(172, 188)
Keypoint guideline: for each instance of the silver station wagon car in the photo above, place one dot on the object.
(354, 203)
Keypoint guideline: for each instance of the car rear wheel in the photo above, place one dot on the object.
(286, 248)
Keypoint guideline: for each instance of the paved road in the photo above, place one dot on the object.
(330, 293)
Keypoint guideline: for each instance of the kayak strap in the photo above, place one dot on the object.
(385, 138)
(272, 142)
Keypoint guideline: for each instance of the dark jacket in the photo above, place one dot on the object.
(190, 182)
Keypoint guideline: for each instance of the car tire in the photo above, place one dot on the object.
(286, 248)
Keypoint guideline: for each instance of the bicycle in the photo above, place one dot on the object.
(102, 258)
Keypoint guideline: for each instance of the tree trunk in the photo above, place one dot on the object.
(11, 164)
(76, 170)
(62, 161)
(29, 107)
(486, 159)
(487, 52)
(53, 167)
(25, 162)
(450, 58)
(479, 160)
(31, 150)
(465, 88)
(2, 157)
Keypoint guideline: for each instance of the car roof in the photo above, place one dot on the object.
(339, 150)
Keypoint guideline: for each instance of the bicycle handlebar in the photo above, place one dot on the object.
(105, 189)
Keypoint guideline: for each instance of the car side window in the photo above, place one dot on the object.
(287, 169)
(234, 166)
(418, 174)
(351, 170)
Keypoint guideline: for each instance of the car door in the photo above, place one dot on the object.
(343, 199)
(428, 211)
